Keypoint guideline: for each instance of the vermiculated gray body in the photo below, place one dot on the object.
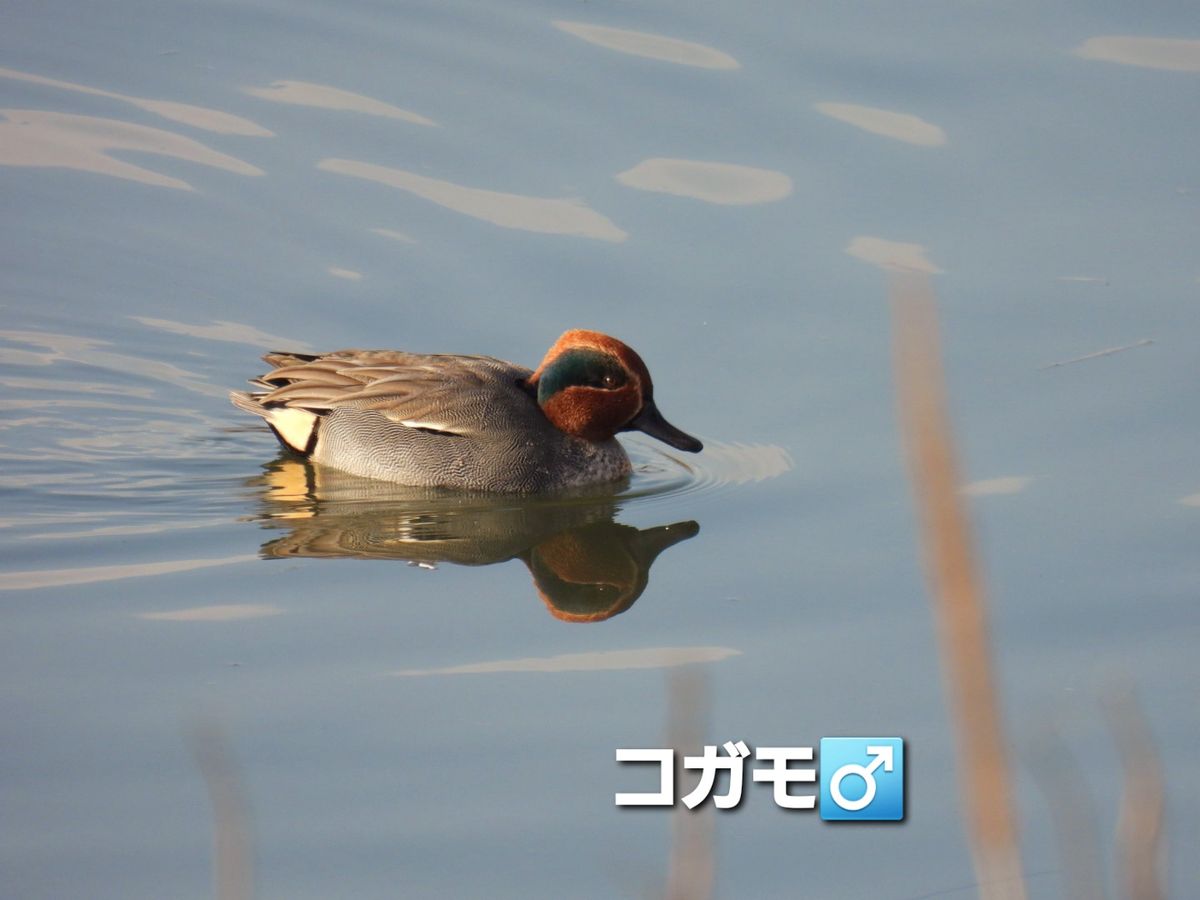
(364, 442)
(465, 422)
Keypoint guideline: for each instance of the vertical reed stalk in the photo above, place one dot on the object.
(956, 589)
(1143, 801)
(233, 864)
(692, 872)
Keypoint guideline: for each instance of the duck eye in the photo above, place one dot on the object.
(611, 380)
(583, 368)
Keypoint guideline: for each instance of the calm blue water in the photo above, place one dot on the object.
(718, 186)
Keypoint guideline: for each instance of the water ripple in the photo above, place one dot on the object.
(661, 473)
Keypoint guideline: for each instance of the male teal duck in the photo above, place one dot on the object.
(466, 422)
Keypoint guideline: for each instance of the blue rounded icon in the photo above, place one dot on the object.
(862, 779)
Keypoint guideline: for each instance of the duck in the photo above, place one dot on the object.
(473, 423)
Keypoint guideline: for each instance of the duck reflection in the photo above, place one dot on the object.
(586, 567)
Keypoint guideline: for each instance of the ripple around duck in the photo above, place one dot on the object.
(293, 489)
(661, 473)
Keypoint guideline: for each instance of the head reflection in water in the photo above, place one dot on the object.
(586, 567)
(593, 572)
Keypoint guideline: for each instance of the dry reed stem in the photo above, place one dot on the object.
(956, 589)
(233, 866)
(1056, 770)
(692, 871)
(1140, 826)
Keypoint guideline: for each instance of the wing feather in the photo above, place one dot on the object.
(450, 394)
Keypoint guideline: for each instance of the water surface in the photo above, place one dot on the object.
(422, 696)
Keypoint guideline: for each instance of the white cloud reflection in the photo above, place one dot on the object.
(727, 184)
(68, 348)
(604, 660)
(322, 96)
(49, 578)
(228, 612)
(44, 139)
(545, 215)
(393, 235)
(896, 125)
(196, 116)
(892, 255)
(221, 330)
(650, 46)
(1172, 54)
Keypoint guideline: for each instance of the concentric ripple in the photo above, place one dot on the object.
(660, 473)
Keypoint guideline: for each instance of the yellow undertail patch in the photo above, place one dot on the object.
(294, 426)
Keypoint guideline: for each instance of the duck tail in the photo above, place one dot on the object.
(294, 427)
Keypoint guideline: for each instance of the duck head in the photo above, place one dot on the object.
(592, 386)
